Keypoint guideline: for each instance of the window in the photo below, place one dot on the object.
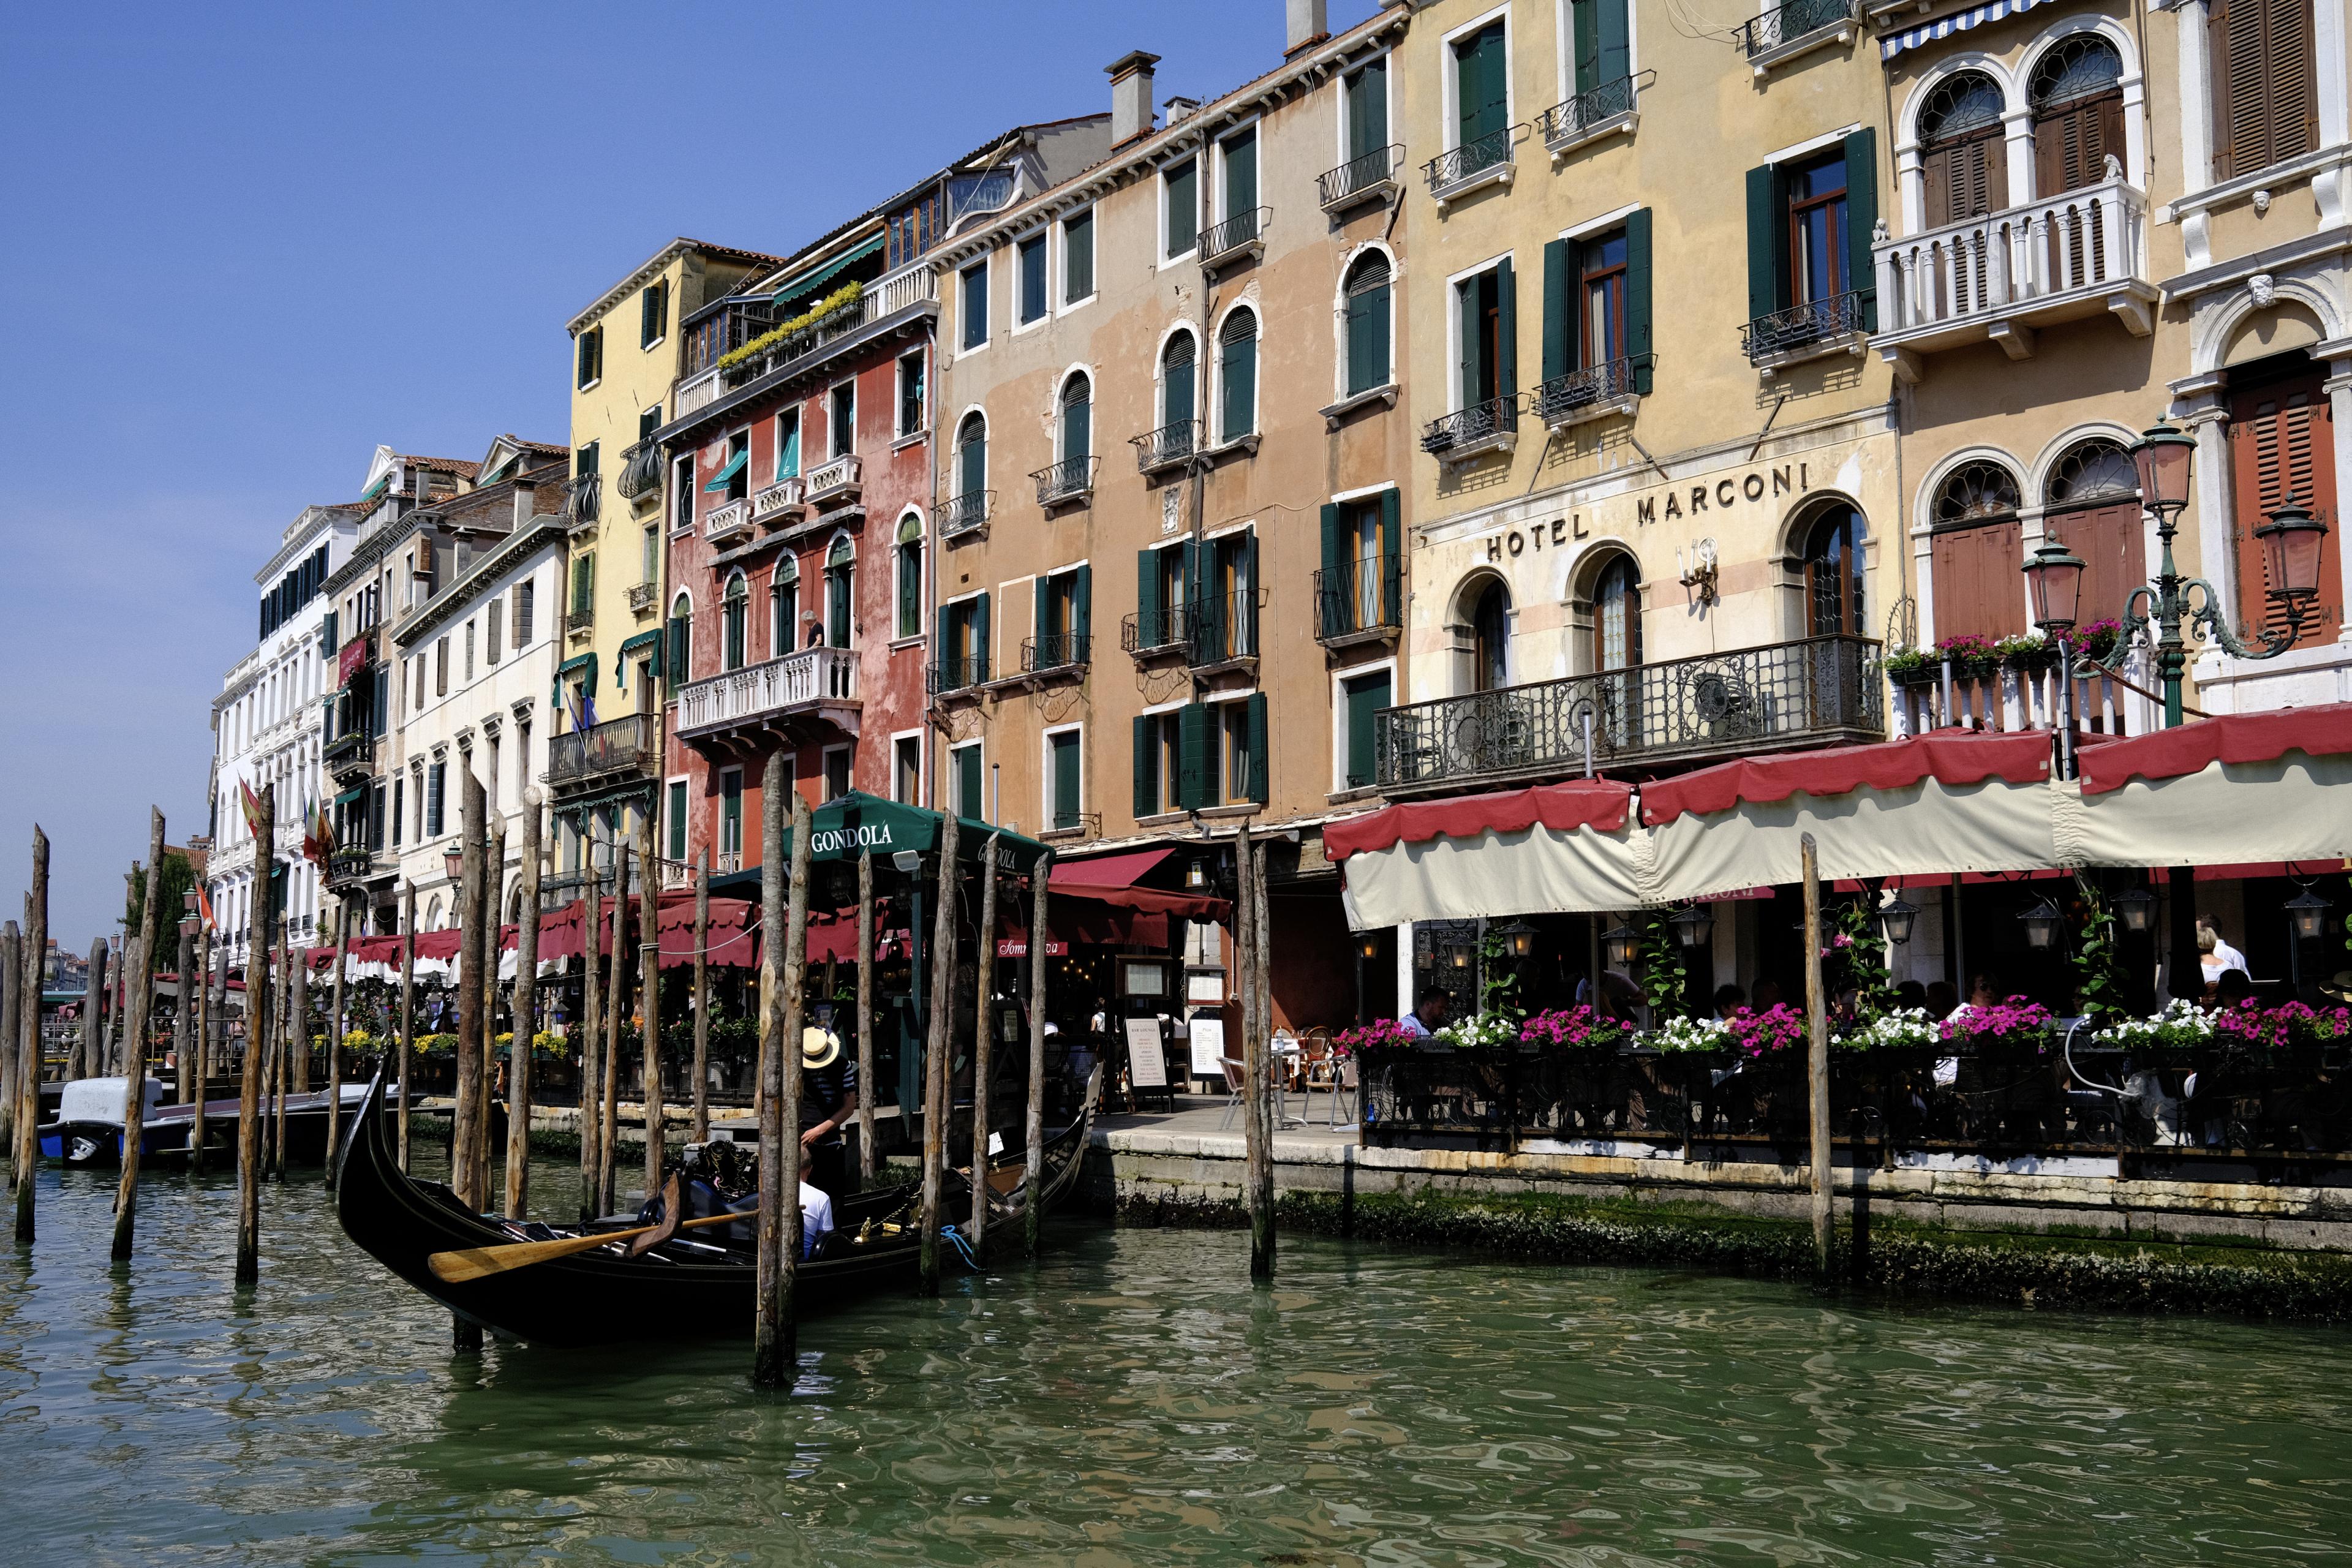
(1366, 313)
(1975, 492)
(1602, 294)
(583, 586)
(1818, 260)
(907, 770)
(498, 615)
(1361, 697)
(470, 650)
(1482, 95)
(584, 460)
(1809, 229)
(681, 494)
(682, 640)
(1078, 257)
(1076, 436)
(2282, 447)
(2264, 84)
(2078, 94)
(911, 393)
(441, 668)
(1963, 157)
(788, 444)
(965, 769)
(1159, 578)
(1366, 99)
(2092, 501)
(1490, 639)
(1239, 735)
(1240, 185)
(1237, 376)
(1486, 329)
(730, 812)
(436, 778)
(399, 810)
(648, 421)
(653, 314)
(910, 577)
(974, 305)
(842, 422)
(649, 555)
(1604, 43)
(1031, 254)
(972, 456)
(1224, 619)
(785, 606)
(733, 606)
(840, 565)
(524, 592)
(1182, 188)
(375, 812)
(674, 821)
(837, 772)
(590, 350)
(734, 479)
(1177, 405)
(1617, 617)
(963, 642)
(1363, 586)
(645, 673)
(1834, 574)
(1063, 785)
(1064, 617)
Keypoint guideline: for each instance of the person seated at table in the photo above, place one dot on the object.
(1729, 999)
(1984, 993)
(1766, 996)
(1910, 995)
(1943, 998)
(2233, 987)
(1428, 1015)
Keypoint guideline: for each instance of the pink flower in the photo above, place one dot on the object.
(1756, 1034)
(1380, 1034)
(1571, 1028)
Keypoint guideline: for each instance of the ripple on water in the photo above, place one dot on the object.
(1132, 1400)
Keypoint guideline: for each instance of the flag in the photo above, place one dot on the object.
(318, 834)
(584, 708)
(205, 907)
(252, 804)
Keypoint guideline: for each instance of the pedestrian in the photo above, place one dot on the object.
(2217, 957)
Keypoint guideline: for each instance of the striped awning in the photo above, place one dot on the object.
(798, 287)
(1957, 22)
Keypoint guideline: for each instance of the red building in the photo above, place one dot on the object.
(800, 501)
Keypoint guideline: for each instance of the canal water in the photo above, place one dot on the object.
(1131, 1399)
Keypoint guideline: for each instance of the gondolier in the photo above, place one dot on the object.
(828, 1099)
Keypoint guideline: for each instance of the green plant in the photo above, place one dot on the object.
(1498, 977)
(1854, 961)
(841, 298)
(2098, 964)
(1665, 973)
(1913, 667)
(2027, 650)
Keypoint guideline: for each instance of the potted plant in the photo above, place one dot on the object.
(1971, 654)
(2028, 653)
(2015, 1022)
(1481, 1032)
(2097, 639)
(1571, 1028)
(1914, 667)
(1371, 1039)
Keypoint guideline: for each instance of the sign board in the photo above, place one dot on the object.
(1142, 977)
(1205, 987)
(1208, 1037)
(1146, 1056)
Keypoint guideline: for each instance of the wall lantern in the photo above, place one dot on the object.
(2308, 910)
(1693, 924)
(1458, 954)
(1895, 918)
(2137, 908)
(1619, 943)
(1368, 947)
(2041, 924)
(454, 862)
(1520, 935)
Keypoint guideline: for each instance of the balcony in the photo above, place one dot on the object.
(1371, 177)
(1070, 483)
(883, 299)
(2003, 276)
(1584, 395)
(353, 751)
(1161, 631)
(1359, 601)
(725, 525)
(958, 673)
(1489, 427)
(1810, 331)
(641, 597)
(1799, 27)
(838, 482)
(627, 745)
(1474, 164)
(1817, 691)
(580, 620)
(353, 865)
(966, 513)
(1223, 631)
(1241, 235)
(1607, 110)
(1169, 446)
(781, 504)
(813, 682)
(579, 499)
(641, 472)
(1056, 653)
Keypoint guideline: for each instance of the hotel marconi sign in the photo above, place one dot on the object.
(1757, 491)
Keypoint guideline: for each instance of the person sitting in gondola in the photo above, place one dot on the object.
(816, 1210)
(828, 1099)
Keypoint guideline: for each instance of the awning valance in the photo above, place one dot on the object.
(1562, 807)
(351, 794)
(1953, 758)
(1957, 22)
(793, 287)
(2324, 731)
(725, 476)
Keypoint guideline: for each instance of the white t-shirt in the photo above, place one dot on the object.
(816, 1217)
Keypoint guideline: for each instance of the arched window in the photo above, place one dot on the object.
(1078, 418)
(1833, 580)
(1490, 632)
(785, 606)
(1961, 152)
(972, 455)
(2077, 95)
(911, 575)
(2093, 496)
(1367, 290)
(1617, 617)
(839, 573)
(1237, 376)
(681, 641)
(1177, 403)
(1975, 492)
(732, 608)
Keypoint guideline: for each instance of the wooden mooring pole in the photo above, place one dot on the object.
(474, 988)
(257, 1029)
(1033, 1123)
(868, 1092)
(649, 997)
(87, 1059)
(938, 1042)
(616, 1013)
(1817, 1057)
(1258, 1137)
(588, 1031)
(526, 1012)
(407, 1044)
(138, 1007)
(342, 916)
(293, 1026)
(700, 1129)
(983, 1048)
(783, 962)
(28, 1035)
(205, 1015)
(184, 1016)
(12, 1002)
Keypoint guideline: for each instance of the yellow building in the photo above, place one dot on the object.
(625, 358)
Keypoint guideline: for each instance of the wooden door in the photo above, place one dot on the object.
(1979, 580)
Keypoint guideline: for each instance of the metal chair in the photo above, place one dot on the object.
(1234, 1086)
(1350, 1081)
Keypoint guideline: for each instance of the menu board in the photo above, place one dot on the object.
(1208, 1036)
(1147, 1059)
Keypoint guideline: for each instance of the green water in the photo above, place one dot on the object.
(1132, 1400)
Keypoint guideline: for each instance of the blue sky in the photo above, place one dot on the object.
(243, 244)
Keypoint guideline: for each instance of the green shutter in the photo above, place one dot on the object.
(969, 800)
(1768, 250)
(1241, 173)
(1078, 257)
(1862, 219)
(1616, 41)
(1559, 303)
(1586, 27)
(1256, 790)
(1196, 748)
(972, 460)
(676, 823)
(1366, 313)
(1183, 208)
(980, 637)
(1147, 598)
(1237, 383)
(1392, 556)
(1638, 336)
(1079, 426)
(1507, 329)
(1482, 93)
(1465, 302)
(1147, 765)
(1368, 110)
(1366, 698)
(910, 589)
(1331, 556)
(1332, 604)
(1067, 799)
(1082, 605)
(1043, 610)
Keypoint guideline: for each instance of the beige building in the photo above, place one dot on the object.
(1170, 514)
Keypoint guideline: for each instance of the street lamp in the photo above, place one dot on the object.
(2041, 924)
(1459, 953)
(1693, 924)
(1368, 947)
(453, 860)
(1620, 942)
(2291, 549)
(2137, 908)
(1520, 935)
(1895, 918)
(2307, 911)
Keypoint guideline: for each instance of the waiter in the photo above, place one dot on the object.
(828, 1099)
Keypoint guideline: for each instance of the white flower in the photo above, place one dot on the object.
(1688, 1035)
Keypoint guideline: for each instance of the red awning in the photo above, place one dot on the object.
(2324, 731)
(1110, 880)
(1106, 870)
(2018, 758)
(1599, 803)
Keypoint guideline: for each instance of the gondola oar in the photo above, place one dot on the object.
(477, 1262)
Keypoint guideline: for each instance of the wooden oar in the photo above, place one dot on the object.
(477, 1262)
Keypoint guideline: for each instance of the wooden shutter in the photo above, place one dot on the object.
(2282, 445)
(1639, 334)
(1767, 256)
(1367, 324)
(1368, 109)
(1507, 329)
(1237, 376)
(1196, 753)
(1392, 557)
(1183, 208)
(2266, 87)
(1078, 257)
(1147, 763)
(1465, 300)
(1176, 370)
(1966, 177)
(973, 459)
(969, 800)
(1366, 698)
(1585, 26)
(1979, 580)
(1082, 605)
(1862, 220)
(980, 638)
(1067, 798)
(1148, 608)
(2111, 543)
(1559, 301)
(1241, 173)
(1256, 786)
(2072, 143)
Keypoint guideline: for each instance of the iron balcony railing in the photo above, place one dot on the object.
(1567, 121)
(1816, 691)
(1165, 447)
(1223, 628)
(958, 672)
(1800, 326)
(580, 618)
(641, 596)
(883, 297)
(1470, 160)
(1054, 650)
(1564, 396)
(580, 496)
(629, 744)
(1358, 177)
(347, 865)
(1787, 23)
(1153, 630)
(1065, 481)
(348, 752)
(962, 513)
(1242, 229)
(641, 471)
(1480, 421)
(1355, 598)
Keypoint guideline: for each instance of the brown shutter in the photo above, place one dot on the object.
(2292, 78)
(2266, 96)
(2072, 143)
(1966, 178)
(1980, 582)
(1936, 166)
(2111, 543)
(2282, 444)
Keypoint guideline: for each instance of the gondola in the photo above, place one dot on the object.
(682, 1287)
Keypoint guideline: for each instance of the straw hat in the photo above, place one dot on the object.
(820, 1047)
(2339, 987)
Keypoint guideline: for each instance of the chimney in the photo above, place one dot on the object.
(526, 503)
(1181, 109)
(1304, 26)
(1130, 96)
